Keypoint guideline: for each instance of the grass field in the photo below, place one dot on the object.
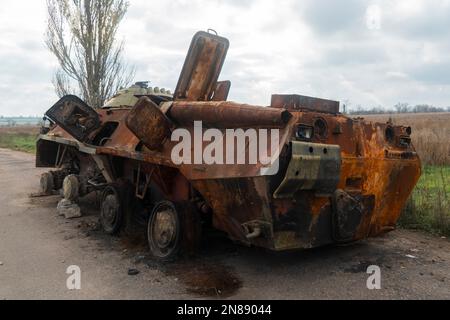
(429, 206)
(19, 138)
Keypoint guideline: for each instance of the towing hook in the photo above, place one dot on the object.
(255, 234)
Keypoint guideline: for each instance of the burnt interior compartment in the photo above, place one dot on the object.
(105, 133)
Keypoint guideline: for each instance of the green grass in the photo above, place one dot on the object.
(18, 141)
(429, 206)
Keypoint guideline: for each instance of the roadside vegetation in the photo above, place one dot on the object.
(19, 138)
(429, 207)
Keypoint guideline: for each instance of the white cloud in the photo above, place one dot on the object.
(319, 48)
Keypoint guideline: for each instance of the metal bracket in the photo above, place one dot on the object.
(104, 167)
(147, 182)
(314, 167)
(59, 159)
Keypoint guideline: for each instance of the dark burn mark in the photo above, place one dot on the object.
(204, 278)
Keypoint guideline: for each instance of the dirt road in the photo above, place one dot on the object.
(37, 246)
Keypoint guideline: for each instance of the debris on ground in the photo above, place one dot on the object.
(133, 272)
(139, 259)
(89, 226)
(68, 209)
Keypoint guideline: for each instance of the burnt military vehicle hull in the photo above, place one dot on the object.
(330, 178)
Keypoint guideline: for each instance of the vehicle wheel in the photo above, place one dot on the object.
(111, 212)
(174, 229)
(46, 183)
(71, 188)
(164, 231)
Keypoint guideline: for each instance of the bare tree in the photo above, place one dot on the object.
(401, 107)
(82, 36)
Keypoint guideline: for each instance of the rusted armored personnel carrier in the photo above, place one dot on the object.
(329, 178)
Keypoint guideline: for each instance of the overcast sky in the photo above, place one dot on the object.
(369, 53)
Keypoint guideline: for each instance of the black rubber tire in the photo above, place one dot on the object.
(172, 250)
(111, 211)
(187, 231)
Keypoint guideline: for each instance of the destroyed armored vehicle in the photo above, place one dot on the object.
(323, 177)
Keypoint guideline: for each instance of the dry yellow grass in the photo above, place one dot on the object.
(430, 134)
(20, 130)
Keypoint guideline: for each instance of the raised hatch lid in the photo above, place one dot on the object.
(202, 67)
(75, 116)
